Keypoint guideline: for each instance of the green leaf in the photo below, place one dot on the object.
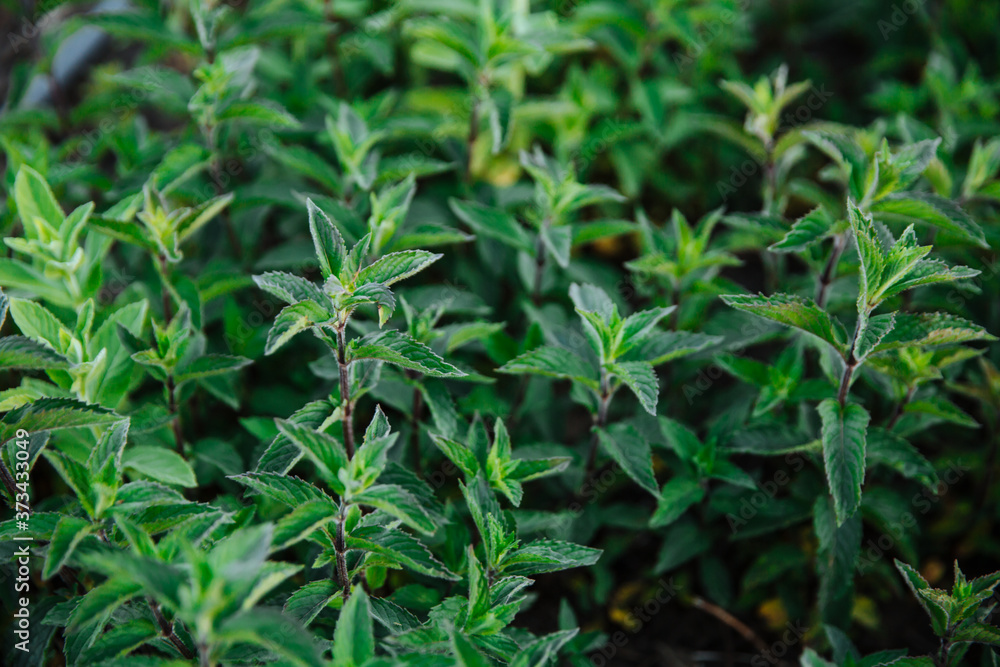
(911, 207)
(286, 489)
(354, 638)
(370, 459)
(980, 633)
(808, 230)
(875, 329)
(258, 113)
(160, 464)
(641, 379)
(888, 449)
(302, 522)
(329, 244)
(102, 599)
(273, 631)
(68, 534)
(400, 547)
(941, 408)
(289, 288)
(674, 499)
(843, 430)
(558, 241)
(554, 362)
(917, 585)
(48, 414)
(459, 454)
(549, 556)
(292, 320)
(664, 346)
(399, 349)
(201, 215)
(493, 223)
(209, 365)
(121, 640)
(281, 454)
(396, 266)
(393, 618)
(306, 603)
(398, 502)
(104, 465)
(326, 452)
(20, 353)
(35, 201)
(306, 162)
(793, 311)
(37, 322)
(465, 652)
(543, 650)
(924, 329)
(631, 451)
(636, 327)
(838, 553)
(525, 470)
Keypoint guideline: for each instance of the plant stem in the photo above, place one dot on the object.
(845, 383)
(167, 630)
(175, 413)
(340, 544)
(345, 395)
(770, 180)
(168, 308)
(830, 270)
(234, 239)
(736, 624)
(850, 363)
(600, 421)
(9, 484)
(898, 412)
(471, 141)
(536, 292)
(675, 301)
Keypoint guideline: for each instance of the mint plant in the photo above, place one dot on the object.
(637, 332)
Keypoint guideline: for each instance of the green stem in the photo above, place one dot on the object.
(770, 180)
(340, 544)
(850, 363)
(168, 308)
(830, 270)
(471, 141)
(600, 421)
(167, 630)
(898, 412)
(175, 414)
(536, 292)
(345, 394)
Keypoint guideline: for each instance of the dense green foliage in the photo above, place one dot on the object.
(479, 332)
